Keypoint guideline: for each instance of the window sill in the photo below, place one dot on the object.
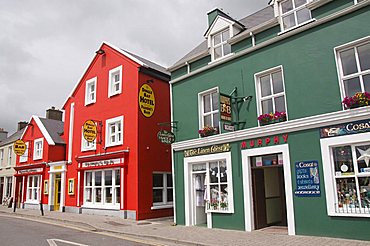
(114, 94)
(89, 103)
(84, 150)
(106, 207)
(220, 211)
(295, 27)
(358, 215)
(156, 207)
(112, 145)
(221, 58)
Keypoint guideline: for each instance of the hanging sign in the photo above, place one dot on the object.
(19, 147)
(345, 129)
(218, 148)
(307, 178)
(166, 137)
(90, 130)
(146, 100)
(225, 107)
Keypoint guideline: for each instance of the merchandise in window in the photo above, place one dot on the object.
(220, 45)
(33, 188)
(162, 189)
(115, 81)
(90, 96)
(294, 13)
(210, 109)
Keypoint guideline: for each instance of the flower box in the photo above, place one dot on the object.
(208, 131)
(271, 118)
(360, 99)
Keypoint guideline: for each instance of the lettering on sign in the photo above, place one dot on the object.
(146, 100)
(264, 141)
(32, 170)
(19, 147)
(90, 130)
(307, 178)
(166, 137)
(345, 129)
(102, 162)
(225, 107)
(207, 150)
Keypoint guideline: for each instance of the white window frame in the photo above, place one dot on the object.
(85, 145)
(164, 203)
(31, 188)
(329, 173)
(294, 12)
(341, 76)
(89, 92)
(8, 190)
(112, 83)
(269, 72)
(1, 157)
(108, 133)
(10, 156)
(24, 157)
(221, 44)
(38, 152)
(102, 204)
(201, 108)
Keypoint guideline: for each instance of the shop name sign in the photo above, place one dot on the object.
(90, 130)
(307, 178)
(225, 107)
(101, 163)
(166, 137)
(19, 147)
(345, 129)
(146, 100)
(264, 141)
(219, 148)
(33, 170)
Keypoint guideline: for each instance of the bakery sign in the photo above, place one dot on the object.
(102, 162)
(218, 148)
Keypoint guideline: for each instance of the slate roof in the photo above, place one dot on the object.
(55, 128)
(249, 22)
(12, 138)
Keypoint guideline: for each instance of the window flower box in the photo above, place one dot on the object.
(208, 131)
(266, 119)
(360, 99)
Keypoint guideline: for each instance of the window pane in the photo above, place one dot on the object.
(223, 173)
(364, 55)
(277, 82)
(157, 195)
(365, 191)
(225, 35)
(227, 49)
(347, 193)
(98, 195)
(217, 39)
(108, 177)
(366, 80)
(362, 153)
(348, 61)
(286, 6)
(158, 180)
(299, 2)
(88, 178)
(218, 52)
(117, 173)
(267, 106)
(352, 86)
(224, 197)
(216, 120)
(343, 163)
(118, 194)
(108, 195)
(214, 196)
(169, 180)
(169, 195)
(265, 86)
(98, 178)
(280, 104)
(288, 21)
(207, 120)
(213, 172)
(303, 15)
(215, 101)
(207, 103)
(88, 194)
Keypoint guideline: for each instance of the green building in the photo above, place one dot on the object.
(270, 125)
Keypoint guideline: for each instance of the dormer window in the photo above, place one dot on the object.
(293, 13)
(220, 45)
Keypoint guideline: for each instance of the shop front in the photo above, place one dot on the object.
(55, 187)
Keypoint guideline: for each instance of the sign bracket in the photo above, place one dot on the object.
(237, 103)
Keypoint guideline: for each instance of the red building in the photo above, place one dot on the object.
(40, 171)
(125, 171)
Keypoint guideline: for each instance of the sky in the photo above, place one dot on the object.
(46, 45)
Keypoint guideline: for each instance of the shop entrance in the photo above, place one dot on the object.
(57, 192)
(198, 194)
(269, 204)
(1, 189)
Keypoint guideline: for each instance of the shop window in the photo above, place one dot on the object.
(354, 67)
(220, 47)
(293, 13)
(114, 131)
(24, 157)
(8, 192)
(10, 155)
(162, 189)
(38, 149)
(115, 81)
(209, 109)
(102, 188)
(90, 91)
(86, 145)
(33, 188)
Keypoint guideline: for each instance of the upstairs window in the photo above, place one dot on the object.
(209, 109)
(115, 81)
(114, 131)
(38, 149)
(86, 145)
(294, 13)
(354, 67)
(1, 156)
(220, 46)
(10, 154)
(24, 157)
(90, 94)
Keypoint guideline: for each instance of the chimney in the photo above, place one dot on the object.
(213, 14)
(22, 124)
(3, 134)
(54, 114)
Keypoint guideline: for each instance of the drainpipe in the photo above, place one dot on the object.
(253, 39)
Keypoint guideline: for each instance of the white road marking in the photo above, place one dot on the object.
(52, 242)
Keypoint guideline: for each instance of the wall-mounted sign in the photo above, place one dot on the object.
(307, 178)
(90, 130)
(228, 127)
(146, 100)
(166, 137)
(19, 147)
(46, 187)
(225, 108)
(102, 162)
(219, 148)
(71, 186)
(345, 129)
(32, 170)
(264, 141)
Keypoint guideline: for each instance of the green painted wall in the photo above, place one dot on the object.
(179, 72)
(242, 45)
(200, 63)
(330, 8)
(179, 187)
(267, 34)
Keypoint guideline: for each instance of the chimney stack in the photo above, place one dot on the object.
(3, 134)
(22, 124)
(54, 114)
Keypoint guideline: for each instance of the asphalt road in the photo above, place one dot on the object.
(19, 232)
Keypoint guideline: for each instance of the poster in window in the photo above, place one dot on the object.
(71, 186)
(307, 178)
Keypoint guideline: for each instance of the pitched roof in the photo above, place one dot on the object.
(55, 128)
(12, 138)
(253, 20)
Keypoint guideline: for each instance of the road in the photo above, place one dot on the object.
(20, 232)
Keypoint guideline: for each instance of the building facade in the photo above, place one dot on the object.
(123, 169)
(270, 130)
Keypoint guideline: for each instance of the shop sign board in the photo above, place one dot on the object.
(166, 137)
(146, 100)
(229, 127)
(307, 178)
(218, 148)
(264, 141)
(19, 147)
(345, 129)
(225, 107)
(102, 163)
(90, 130)
(32, 170)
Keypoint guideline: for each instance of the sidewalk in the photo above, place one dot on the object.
(164, 230)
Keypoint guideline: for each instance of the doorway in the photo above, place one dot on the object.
(1, 189)
(198, 194)
(57, 192)
(269, 203)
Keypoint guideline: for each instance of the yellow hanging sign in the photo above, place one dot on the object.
(19, 147)
(146, 100)
(90, 130)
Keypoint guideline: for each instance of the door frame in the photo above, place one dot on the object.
(57, 187)
(247, 184)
